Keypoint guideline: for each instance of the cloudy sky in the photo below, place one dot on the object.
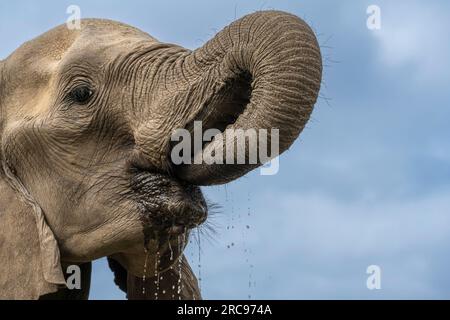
(366, 184)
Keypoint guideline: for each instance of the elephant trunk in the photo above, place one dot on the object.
(261, 72)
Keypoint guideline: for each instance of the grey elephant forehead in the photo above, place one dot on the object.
(52, 45)
(109, 37)
(115, 28)
(34, 63)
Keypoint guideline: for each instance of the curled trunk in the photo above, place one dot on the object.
(261, 72)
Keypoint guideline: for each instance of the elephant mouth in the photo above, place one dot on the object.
(168, 207)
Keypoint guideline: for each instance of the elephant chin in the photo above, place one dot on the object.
(261, 72)
(156, 256)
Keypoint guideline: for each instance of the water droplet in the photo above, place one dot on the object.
(157, 261)
(199, 263)
(144, 276)
(180, 274)
(179, 279)
(171, 250)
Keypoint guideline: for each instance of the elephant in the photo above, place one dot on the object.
(85, 128)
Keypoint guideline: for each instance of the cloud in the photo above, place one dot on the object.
(314, 245)
(414, 36)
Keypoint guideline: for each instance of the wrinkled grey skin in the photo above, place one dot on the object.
(86, 119)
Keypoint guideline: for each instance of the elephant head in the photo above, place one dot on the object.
(86, 123)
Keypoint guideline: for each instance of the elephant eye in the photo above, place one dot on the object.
(81, 94)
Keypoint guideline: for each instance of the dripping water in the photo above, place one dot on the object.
(179, 278)
(144, 276)
(157, 261)
(248, 251)
(199, 262)
(173, 287)
(171, 250)
(180, 260)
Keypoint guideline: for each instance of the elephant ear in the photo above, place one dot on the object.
(29, 256)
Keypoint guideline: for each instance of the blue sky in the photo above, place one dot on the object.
(367, 182)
